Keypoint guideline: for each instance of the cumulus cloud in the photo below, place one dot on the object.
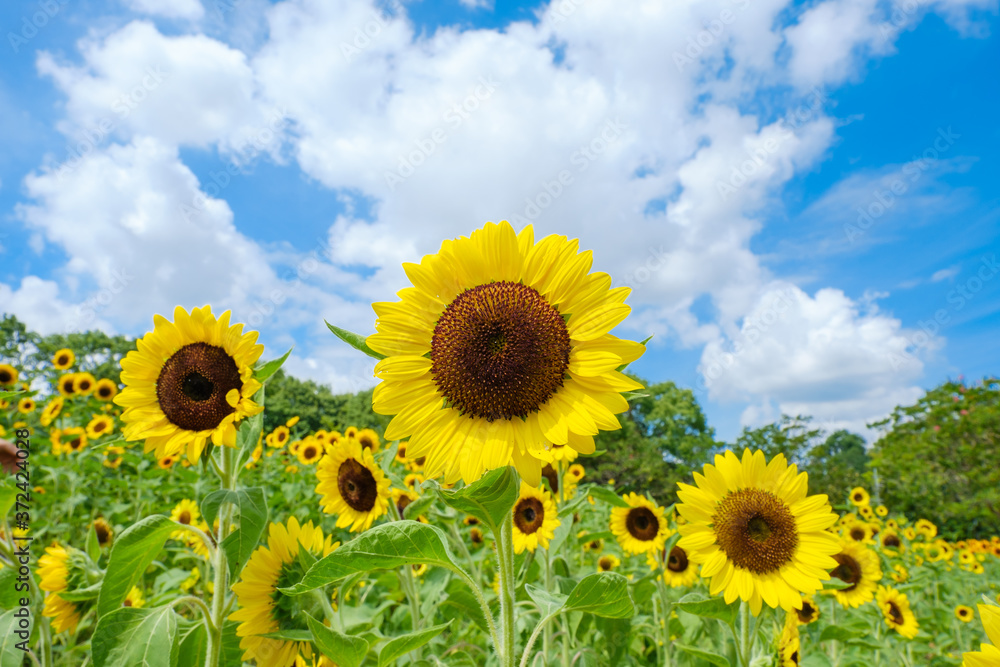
(191, 10)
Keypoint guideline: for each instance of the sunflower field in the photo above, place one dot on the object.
(150, 518)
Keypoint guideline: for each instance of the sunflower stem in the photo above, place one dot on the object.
(665, 605)
(744, 649)
(547, 634)
(505, 560)
(220, 566)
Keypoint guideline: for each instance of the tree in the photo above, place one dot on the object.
(791, 436)
(664, 437)
(837, 465)
(938, 459)
(317, 406)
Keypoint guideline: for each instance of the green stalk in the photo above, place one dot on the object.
(547, 634)
(220, 565)
(505, 561)
(744, 649)
(665, 605)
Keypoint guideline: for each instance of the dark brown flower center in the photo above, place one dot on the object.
(806, 613)
(76, 443)
(127, 603)
(858, 534)
(104, 391)
(366, 441)
(895, 613)
(848, 570)
(280, 436)
(596, 544)
(193, 384)
(103, 533)
(357, 486)
(550, 474)
(403, 502)
(892, 541)
(185, 517)
(6, 377)
(62, 359)
(84, 384)
(67, 385)
(499, 351)
(642, 524)
(529, 514)
(99, 426)
(678, 560)
(605, 563)
(858, 497)
(755, 530)
(477, 536)
(309, 452)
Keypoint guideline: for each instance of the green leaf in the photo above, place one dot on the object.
(489, 500)
(699, 605)
(418, 506)
(840, 633)
(707, 656)
(8, 495)
(251, 507)
(400, 646)
(602, 594)
(6, 395)
(290, 635)
(129, 637)
(249, 433)
(560, 534)
(11, 635)
(82, 594)
(835, 584)
(607, 495)
(192, 642)
(357, 341)
(345, 650)
(9, 596)
(93, 544)
(547, 602)
(131, 554)
(264, 370)
(383, 547)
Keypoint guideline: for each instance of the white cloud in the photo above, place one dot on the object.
(945, 274)
(38, 303)
(191, 10)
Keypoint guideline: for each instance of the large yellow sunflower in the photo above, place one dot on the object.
(987, 655)
(63, 358)
(755, 531)
(189, 381)
(352, 485)
(859, 568)
(499, 349)
(535, 519)
(640, 527)
(263, 609)
(8, 375)
(896, 611)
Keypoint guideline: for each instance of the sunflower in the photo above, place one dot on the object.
(891, 543)
(67, 385)
(278, 437)
(292, 421)
(74, 439)
(987, 656)
(189, 381)
(100, 425)
(105, 389)
(191, 581)
(594, 546)
(419, 569)
(413, 480)
(859, 568)
(26, 406)
(134, 598)
(351, 432)
(104, 532)
(788, 644)
(352, 486)
(896, 611)
(859, 532)
(166, 462)
(63, 359)
(926, 528)
(84, 383)
(964, 613)
(576, 471)
(859, 497)
(310, 451)
(755, 532)
(293, 448)
(678, 570)
(476, 536)
(402, 499)
(369, 439)
(54, 572)
(500, 348)
(809, 611)
(263, 609)
(882, 510)
(608, 562)
(535, 518)
(866, 512)
(8, 375)
(640, 527)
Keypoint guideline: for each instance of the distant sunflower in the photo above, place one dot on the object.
(263, 610)
(66, 384)
(964, 613)
(187, 513)
(755, 531)
(189, 381)
(788, 644)
(678, 570)
(500, 348)
(104, 532)
(8, 375)
(352, 486)
(54, 572)
(419, 569)
(595, 546)
(987, 656)
(859, 497)
(858, 567)
(84, 383)
(294, 447)
(476, 536)
(310, 452)
(535, 519)
(166, 462)
(74, 439)
(892, 544)
(63, 359)
(926, 528)
(882, 510)
(809, 611)
(279, 437)
(351, 432)
(608, 562)
(640, 527)
(26, 406)
(896, 611)
(867, 512)
(401, 454)
(900, 574)
(100, 425)
(859, 532)
(105, 389)
(134, 598)
(402, 499)
(576, 471)
(369, 439)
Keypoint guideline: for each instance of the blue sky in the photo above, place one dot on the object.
(769, 293)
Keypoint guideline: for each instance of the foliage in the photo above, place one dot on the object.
(317, 406)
